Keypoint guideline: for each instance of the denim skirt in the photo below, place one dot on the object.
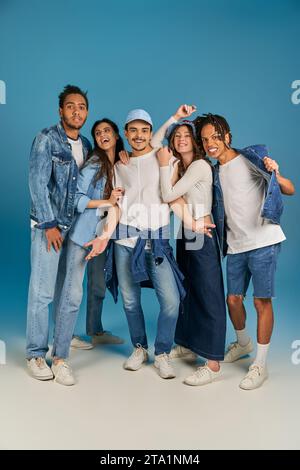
(201, 326)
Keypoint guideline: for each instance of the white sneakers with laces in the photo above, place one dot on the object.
(254, 378)
(203, 375)
(136, 359)
(63, 373)
(180, 352)
(163, 363)
(79, 343)
(235, 351)
(39, 369)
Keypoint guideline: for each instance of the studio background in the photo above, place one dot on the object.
(235, 58)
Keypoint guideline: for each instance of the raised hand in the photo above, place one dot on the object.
(184, 111)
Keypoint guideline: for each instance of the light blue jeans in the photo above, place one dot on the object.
(43, 290)
(70, 299)
(167, 294)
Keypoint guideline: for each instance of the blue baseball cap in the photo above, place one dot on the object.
(138, 115)
(184, 122)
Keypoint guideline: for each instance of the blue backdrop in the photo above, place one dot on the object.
(233, 57)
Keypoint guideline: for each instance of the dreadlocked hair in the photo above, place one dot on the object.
(220, 124)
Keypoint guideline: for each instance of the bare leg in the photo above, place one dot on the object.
(265, 320)
(237, 311)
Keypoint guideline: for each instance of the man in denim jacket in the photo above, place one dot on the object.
(247, 208)
(57, 153)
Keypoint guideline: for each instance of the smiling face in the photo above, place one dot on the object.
(105, 136)
(182, 140)
(74, 111)
(138, 135)
(213, 145)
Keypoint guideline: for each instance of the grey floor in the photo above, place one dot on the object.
(110, 408)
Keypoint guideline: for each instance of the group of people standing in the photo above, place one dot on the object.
(108, 210)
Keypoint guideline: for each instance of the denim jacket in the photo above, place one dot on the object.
(160, 248)
(87, 223)
(273, 205)
(53, 176)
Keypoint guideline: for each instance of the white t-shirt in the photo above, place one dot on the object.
(244, 194)
(142, 205)
(77, 151)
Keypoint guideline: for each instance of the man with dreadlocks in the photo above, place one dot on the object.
(247, 209)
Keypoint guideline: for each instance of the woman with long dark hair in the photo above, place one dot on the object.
(95, 194)
(107, 146)
(201, 327)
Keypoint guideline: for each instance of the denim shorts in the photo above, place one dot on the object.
(260, 264)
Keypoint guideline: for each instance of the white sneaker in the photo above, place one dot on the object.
(78, 343)
(235, 351)
(106, 337)
(137, 358)
(181, 352)
(203, 375)
(254, 378)
(39, 369)
(63, 373)
(163, 363)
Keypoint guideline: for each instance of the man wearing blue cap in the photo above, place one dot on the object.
(142, 250)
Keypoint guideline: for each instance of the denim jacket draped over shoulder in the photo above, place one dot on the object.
(273, 204)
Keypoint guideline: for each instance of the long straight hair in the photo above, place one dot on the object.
(98, 155)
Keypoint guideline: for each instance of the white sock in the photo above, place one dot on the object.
(242, 337)
(261, 354)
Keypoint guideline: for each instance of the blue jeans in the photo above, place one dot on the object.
(260, 264)
(70, 299)
(95, 294)
(43, 290)
(167, 293)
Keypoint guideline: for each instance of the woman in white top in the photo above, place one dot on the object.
(202, 326)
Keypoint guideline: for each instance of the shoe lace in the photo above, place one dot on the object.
(139, 349)
(253, 372)
(200, 371)
(40, 361)
(65, 369)
(233, 346)
(167, 358)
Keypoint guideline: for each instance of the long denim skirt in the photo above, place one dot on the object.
(201, 326)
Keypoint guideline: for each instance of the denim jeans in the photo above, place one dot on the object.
(167, 293)
(42, 291)
(70, 299)
(95, 294)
